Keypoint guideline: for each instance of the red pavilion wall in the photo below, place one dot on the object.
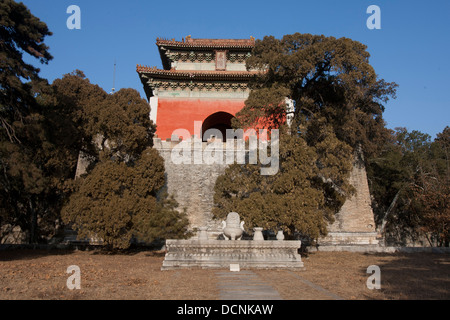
(182, 113)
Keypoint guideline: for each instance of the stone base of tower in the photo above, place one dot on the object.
(354, 224)
(349, 238)
(192, 185)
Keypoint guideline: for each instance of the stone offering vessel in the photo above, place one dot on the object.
(233, 228)
(215, 253)
(280, 235)
(258, 236)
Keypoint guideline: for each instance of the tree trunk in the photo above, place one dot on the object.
(33, 223)
(392, 205)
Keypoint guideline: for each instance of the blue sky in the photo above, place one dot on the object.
(412, 48)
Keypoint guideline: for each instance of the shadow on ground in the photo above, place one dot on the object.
(29, 254)
(416, 277)
(21, 252)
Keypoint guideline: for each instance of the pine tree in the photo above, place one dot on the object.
(28, 188)
(330, 82)
(409, 182)
(118, 201)
(338, 103)
(302, 197)
(120, 197)
(21, 32)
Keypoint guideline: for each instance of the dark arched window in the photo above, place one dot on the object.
(220, 121)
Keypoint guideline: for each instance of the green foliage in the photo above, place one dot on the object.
(338, 105)
(123, 120)
(30, 187)
(409, 182)
(21, 32)
(166, 222)
(117, 201)
(119, 123)
(330, 82)
(302, 197)
(44, 127)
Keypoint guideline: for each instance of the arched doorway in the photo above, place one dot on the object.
(220, 121)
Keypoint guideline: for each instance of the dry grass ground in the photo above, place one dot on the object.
(26, 274)
(403, 276)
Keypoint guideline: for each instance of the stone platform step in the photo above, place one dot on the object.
(249, 254)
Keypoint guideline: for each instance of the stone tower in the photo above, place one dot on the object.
(205, 81)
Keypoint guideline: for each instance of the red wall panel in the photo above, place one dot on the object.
(181, 113)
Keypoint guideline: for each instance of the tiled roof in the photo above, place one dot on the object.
(208, 43)
(183, 74)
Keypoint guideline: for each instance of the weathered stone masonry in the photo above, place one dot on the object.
(193, 187)
(206, 80)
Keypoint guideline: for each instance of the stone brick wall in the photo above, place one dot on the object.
(356, 214)
(193, 187)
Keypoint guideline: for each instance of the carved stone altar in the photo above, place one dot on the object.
(257, 253)
(221, 253)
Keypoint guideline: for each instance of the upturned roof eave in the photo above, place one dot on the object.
(203, 44)
(191, 75)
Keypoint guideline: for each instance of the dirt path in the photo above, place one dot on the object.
(244, 285)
